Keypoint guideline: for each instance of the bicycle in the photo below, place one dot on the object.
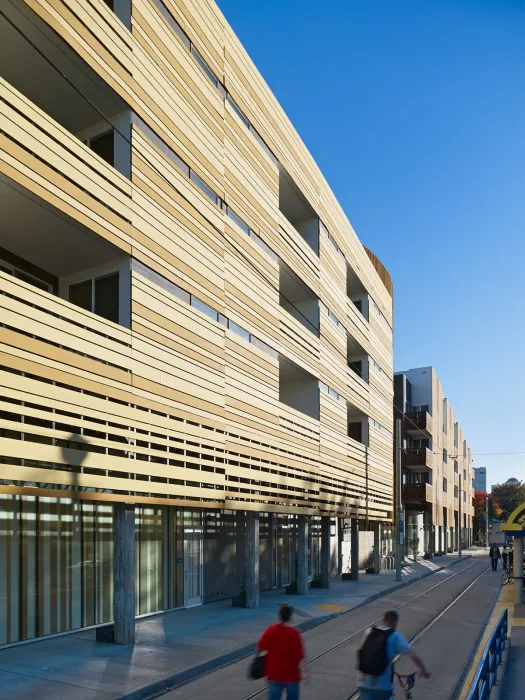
(407, 683)
(506, 576)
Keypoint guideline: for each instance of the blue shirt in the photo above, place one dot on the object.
(396, 644)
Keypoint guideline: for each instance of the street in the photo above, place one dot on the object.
(468, 588)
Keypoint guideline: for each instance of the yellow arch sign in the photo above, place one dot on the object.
(512, 525)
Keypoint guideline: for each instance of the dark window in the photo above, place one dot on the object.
(103, 146)
(359, 305)
(81, 294)
(357, 366)
(107, 297)
(355, 431)
(105, 300)
(110, 4)
(444, 485)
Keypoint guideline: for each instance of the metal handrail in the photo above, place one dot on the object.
(487, 672)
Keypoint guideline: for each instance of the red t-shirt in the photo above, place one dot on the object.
(284, 647)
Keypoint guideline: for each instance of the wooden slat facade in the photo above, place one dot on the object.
(190, 408)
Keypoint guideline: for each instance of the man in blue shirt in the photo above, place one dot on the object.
(382, 687)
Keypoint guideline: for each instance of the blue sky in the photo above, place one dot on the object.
(415, 112)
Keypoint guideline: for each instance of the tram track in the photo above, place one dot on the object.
(415, 638)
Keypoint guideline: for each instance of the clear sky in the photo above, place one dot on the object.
(415, 112)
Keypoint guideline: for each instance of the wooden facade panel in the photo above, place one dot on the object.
(186, 373)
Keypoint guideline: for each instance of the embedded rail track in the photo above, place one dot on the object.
(413, 639)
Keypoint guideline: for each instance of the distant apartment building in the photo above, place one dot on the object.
(480, 478)
(437, 465)
(196, 362)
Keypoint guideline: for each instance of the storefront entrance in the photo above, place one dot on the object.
(193, 539)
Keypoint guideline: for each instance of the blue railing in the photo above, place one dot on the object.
(487, 672)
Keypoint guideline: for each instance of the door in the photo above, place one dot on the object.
(192, 559)
(285, 554)
(275, 557)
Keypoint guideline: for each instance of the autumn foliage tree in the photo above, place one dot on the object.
(478, 501)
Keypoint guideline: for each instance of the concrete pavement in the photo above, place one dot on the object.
(77, 667)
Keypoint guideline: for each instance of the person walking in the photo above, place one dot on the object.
(380, 646)
(284, 663)
(494, 555)
(504, 558)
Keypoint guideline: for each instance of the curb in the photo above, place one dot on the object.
(183, 677)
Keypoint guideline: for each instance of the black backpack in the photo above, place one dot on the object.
(372, 657)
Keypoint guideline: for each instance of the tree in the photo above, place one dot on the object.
(508, 496)
(478, 501)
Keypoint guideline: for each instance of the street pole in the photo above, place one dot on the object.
(487, 521)
(399, 507)
(460, 520)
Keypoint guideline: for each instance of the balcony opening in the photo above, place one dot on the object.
(298, 210)
(357, 422)
(418, 477)
(356, 292)
(122, 9)
(298, 389)
(42, 246)
(357, 358)
(298, 299)
(80, 102)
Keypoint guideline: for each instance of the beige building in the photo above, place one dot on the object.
(196, 349)
(437, 466)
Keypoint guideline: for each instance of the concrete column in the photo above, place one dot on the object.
(354, 548)
(124, 573)
(518, 569)
(302, 555)
(325, 551)
(252, 559)
(377, 548)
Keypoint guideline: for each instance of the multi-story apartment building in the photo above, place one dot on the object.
(480, 478)
(436, 463)
(196, 349)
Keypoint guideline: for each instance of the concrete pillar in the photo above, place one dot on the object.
(377, 548)
(302, 555)
(340, 531)
(354, 548)
(325, 551)
(518, 569)
(252, 559)
(124, 573)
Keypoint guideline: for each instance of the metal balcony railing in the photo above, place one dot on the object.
(418, 421)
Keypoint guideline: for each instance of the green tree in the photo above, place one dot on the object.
(508, 497)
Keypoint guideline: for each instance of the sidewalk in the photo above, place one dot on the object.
(76, 667)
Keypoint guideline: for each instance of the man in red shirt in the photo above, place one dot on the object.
(284, 649)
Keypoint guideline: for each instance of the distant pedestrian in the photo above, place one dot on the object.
(504, 558)
(380, 646)
(494, 555)
(511, 557)
(284, 649)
